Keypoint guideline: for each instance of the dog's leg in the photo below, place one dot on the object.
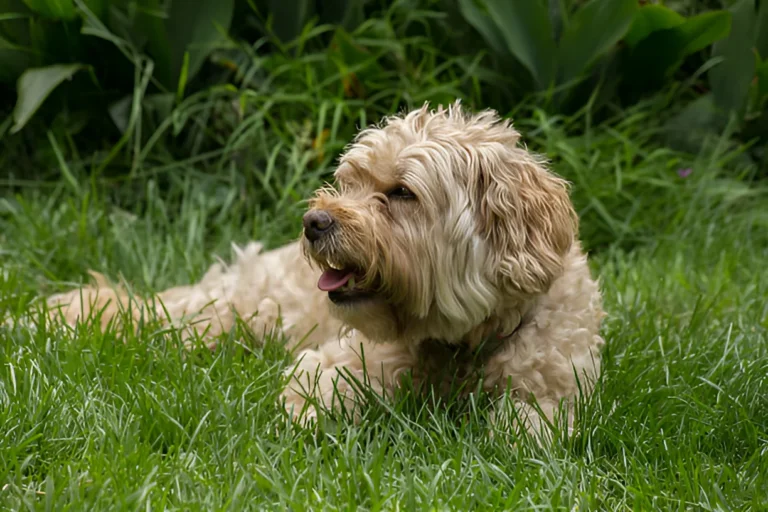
(539, 419)
(193, 309)
(544, 373)
(98, 300)
(339, 373)
(190, 306)
(207, 308)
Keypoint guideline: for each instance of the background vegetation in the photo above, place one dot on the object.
(140, 138)
(100, 78)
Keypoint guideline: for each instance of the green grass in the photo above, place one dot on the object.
(93, 421)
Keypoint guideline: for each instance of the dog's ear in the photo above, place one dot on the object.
(525, 214)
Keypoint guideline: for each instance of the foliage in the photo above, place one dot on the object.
(146, 63)
(660, 39)
(735, 95)
(564, 44)
(740, 82)
(97, 421)
(287, 19)
(144, 177)
(244, 85)
(562, 49)
(108, 38)
(556, 46)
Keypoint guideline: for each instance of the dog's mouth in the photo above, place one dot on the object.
(343, 285)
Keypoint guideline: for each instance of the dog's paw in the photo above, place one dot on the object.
(314, 388)
(303, 382)
(299, 410)
(266, 320)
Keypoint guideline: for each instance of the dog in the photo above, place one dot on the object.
(442, 239)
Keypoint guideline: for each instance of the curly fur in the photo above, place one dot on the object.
(488, 246)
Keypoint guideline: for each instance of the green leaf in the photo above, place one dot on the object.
(705, 29)
(196, 29)
(592, 31)
(347, 14)
(34, 86)
(99, 8)
(354, 15)
(527, 33)
(694, 124)
(57, 42)
(649, 19)
(159, 104)
(15, 16)
(120, 112)
(15, 59)
(290, 16)
(17, 50)
(56, 9)
(730, 80)
(150, 23)
(183, 29)
(484, 25)
(762, 79)
(761, 37)
(651, 61)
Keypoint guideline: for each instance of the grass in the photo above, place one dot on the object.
(94, 421)
(679, 422)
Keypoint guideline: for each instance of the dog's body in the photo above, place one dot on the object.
(442, 232)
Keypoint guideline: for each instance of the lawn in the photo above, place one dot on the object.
(91, 420)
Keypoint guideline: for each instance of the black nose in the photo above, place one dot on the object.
(316, 224)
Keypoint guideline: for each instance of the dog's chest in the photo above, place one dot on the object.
(454, 367)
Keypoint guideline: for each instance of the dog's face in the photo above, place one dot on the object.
(437, 222)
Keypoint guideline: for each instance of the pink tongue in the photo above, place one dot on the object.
(333, 279)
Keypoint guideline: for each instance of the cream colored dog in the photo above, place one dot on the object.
(443, 245)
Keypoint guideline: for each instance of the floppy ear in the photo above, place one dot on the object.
(526, 215)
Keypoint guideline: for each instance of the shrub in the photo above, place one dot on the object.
(127, 80)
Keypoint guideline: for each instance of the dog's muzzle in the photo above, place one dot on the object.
(340, 279)
(317, 224)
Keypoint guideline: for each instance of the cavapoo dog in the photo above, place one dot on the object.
(442, 245)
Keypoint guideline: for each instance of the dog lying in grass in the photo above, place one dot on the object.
(440, 236)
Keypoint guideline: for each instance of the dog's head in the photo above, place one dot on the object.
(438, 221)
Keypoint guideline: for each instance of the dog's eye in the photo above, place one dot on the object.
(401, 193)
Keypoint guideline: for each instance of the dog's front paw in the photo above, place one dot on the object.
(314, 387)
(303, 390)
(298, 408)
